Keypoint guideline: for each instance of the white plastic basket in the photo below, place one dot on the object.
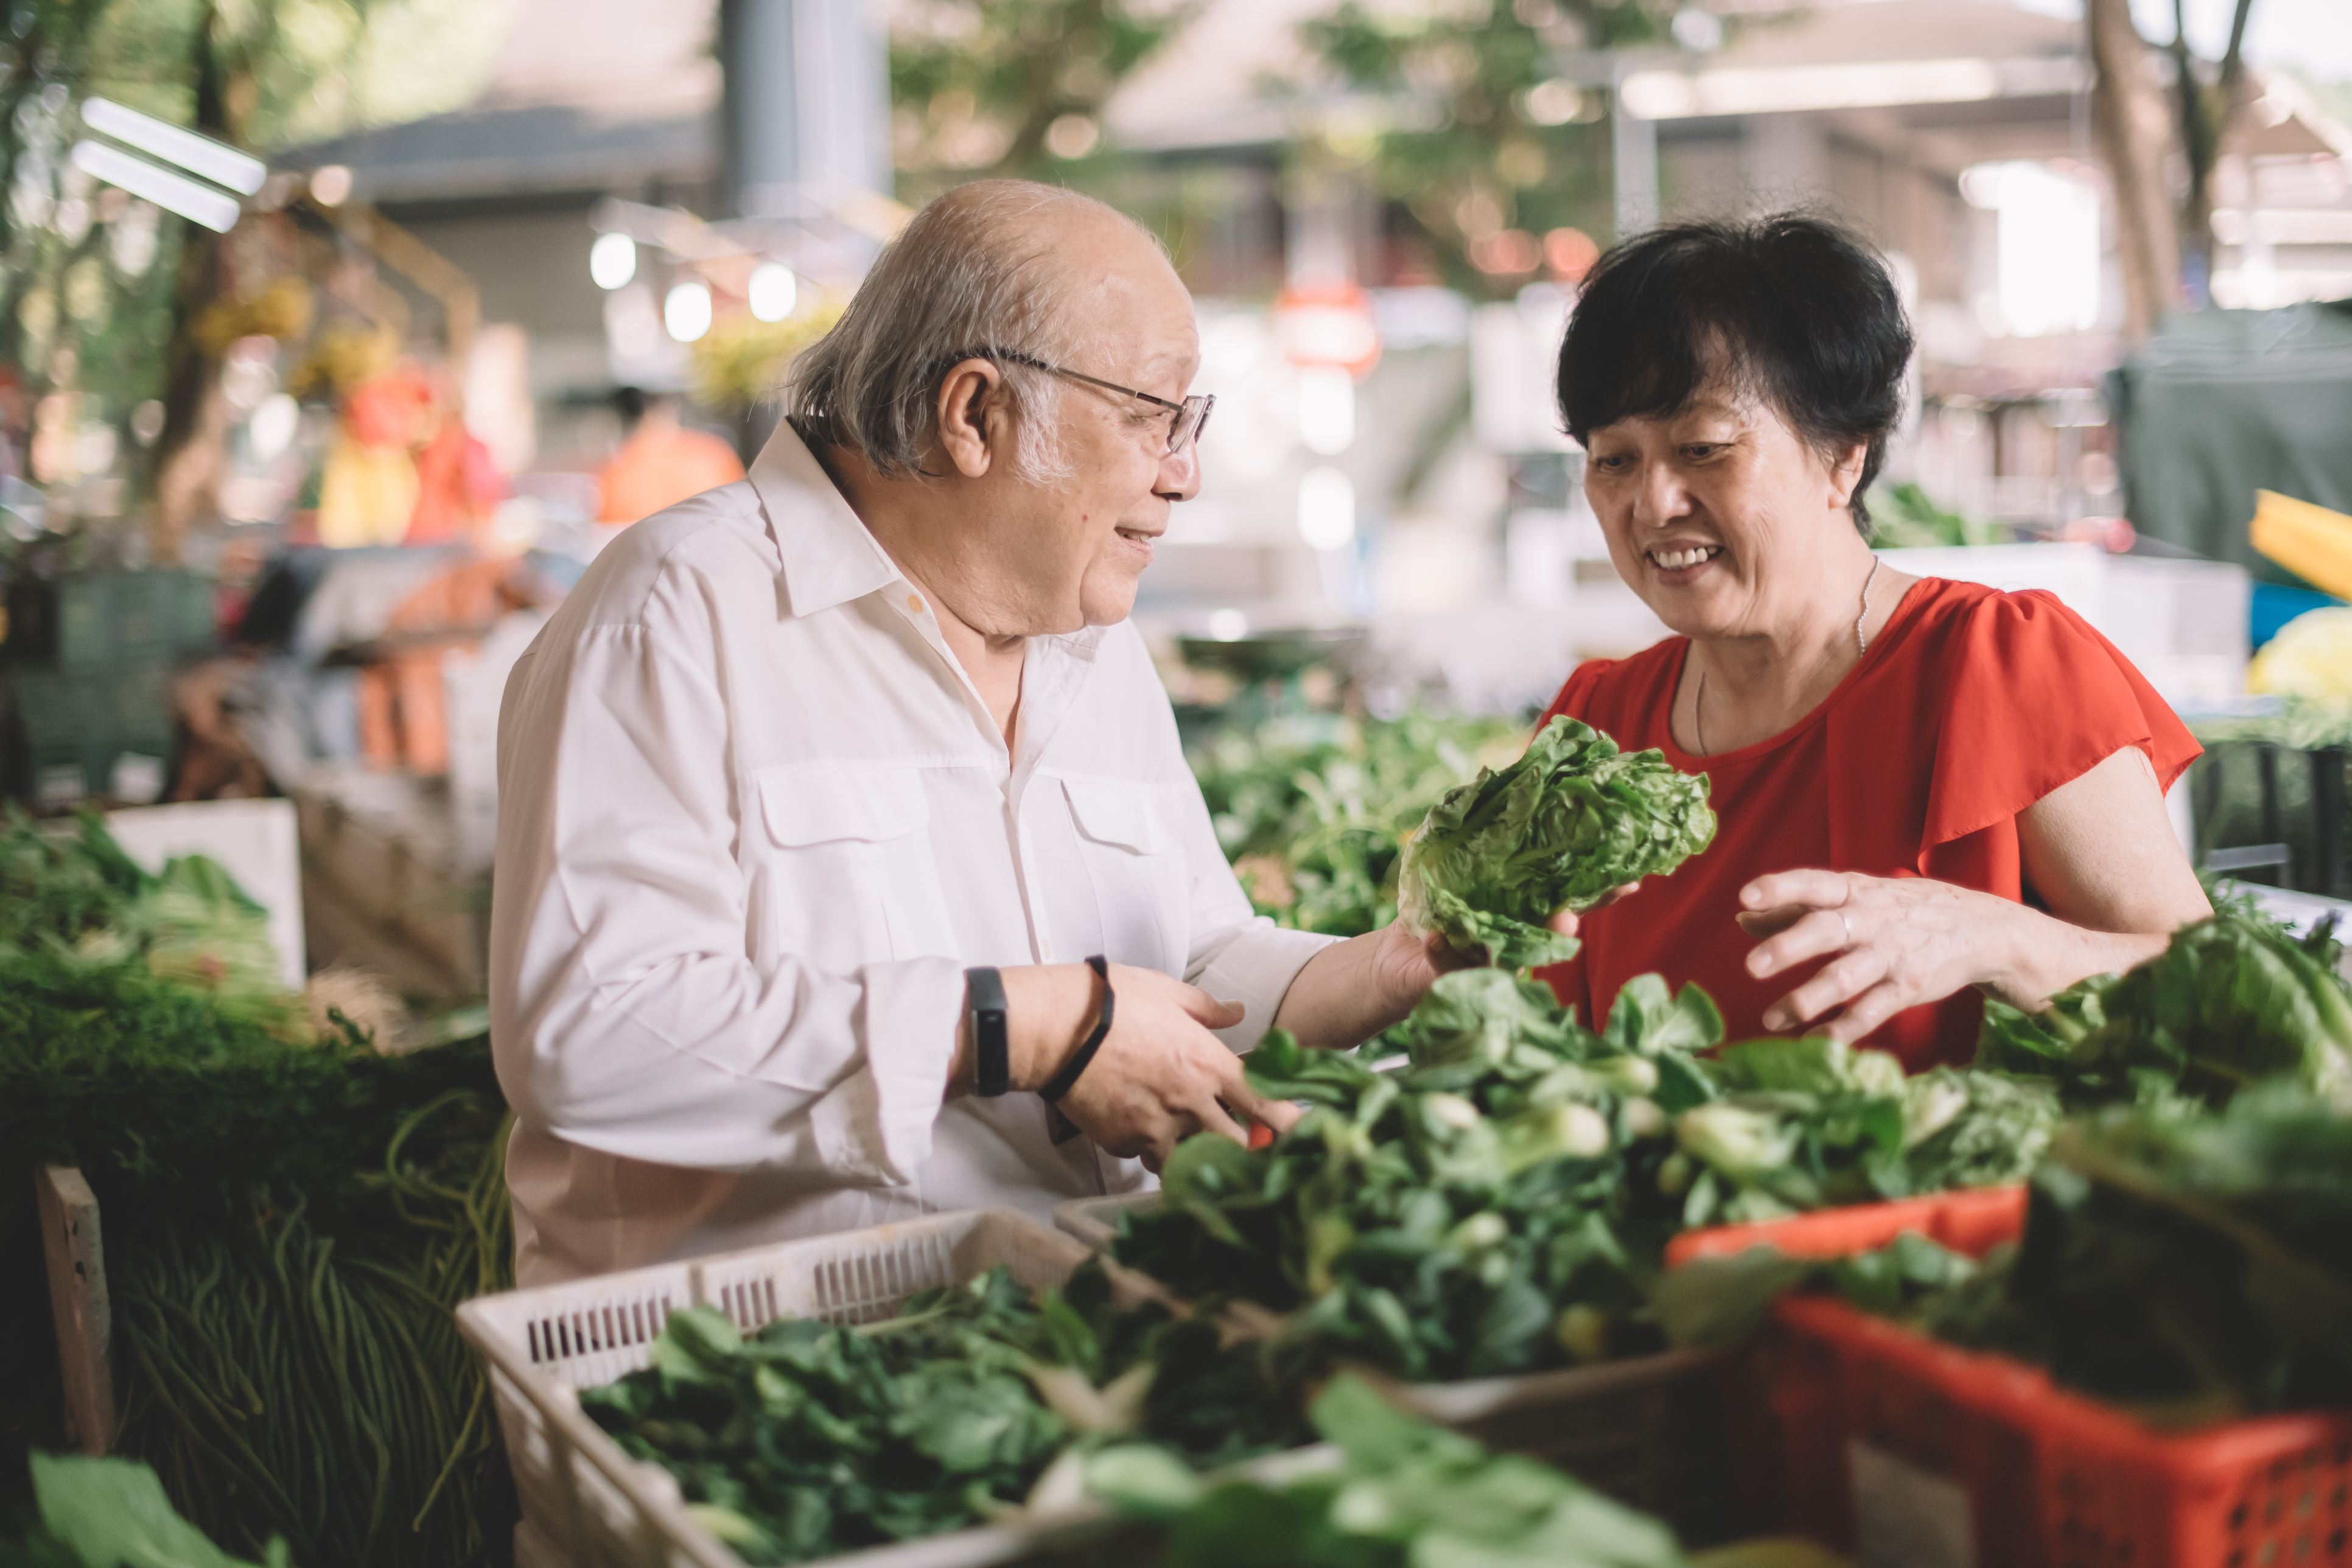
(1647, 1430)
(1096, 1220)
(587, 1504)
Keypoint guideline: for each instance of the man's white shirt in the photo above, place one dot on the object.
(754, 822)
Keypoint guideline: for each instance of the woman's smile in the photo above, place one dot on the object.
(1681, 563)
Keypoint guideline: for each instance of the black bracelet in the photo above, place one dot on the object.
(991, 1059)
(1084, 1053)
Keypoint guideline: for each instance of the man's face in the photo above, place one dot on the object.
(1082, 541)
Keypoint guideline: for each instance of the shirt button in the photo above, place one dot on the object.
(914, 603)
(1046, 950)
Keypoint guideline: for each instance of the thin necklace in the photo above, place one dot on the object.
(1861, 644)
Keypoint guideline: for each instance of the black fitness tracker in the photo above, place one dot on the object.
(991, 1059)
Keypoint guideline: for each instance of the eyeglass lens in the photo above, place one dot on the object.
(1190, 420)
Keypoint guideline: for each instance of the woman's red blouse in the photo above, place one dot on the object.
(1970, 705)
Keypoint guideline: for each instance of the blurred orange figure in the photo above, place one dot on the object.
(661, 462)
(368, 492)
(458, 487)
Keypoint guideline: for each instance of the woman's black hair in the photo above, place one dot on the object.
(1793, 308)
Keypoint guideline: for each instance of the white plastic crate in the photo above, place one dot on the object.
(1647, 1429)
(587, 1504)
(1096, 1220)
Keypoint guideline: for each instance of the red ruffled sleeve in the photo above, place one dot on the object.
(2036, 698)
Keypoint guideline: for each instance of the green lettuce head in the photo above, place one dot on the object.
(1557, 829)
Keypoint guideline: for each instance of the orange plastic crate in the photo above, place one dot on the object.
(1974, 1223)
(1882, 1441)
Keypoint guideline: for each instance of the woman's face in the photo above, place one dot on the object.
(1722, 517)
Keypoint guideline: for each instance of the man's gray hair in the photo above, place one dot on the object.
(976, 270)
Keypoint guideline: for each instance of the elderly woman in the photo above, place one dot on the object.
(1927, 789)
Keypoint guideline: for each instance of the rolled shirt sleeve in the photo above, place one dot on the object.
(1237, 956)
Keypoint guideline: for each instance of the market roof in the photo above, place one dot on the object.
(585, 95)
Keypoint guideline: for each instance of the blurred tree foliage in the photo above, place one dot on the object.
(1455, 113)
(1014, 86)
(100, 293)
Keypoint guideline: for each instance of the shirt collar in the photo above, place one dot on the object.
(829, 557)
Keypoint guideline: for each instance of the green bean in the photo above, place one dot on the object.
(309, 1381)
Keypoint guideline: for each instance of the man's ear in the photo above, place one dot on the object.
(970, 399)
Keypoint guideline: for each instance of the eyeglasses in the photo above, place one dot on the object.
(1192, 416)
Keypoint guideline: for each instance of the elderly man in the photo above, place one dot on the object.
(826, 794)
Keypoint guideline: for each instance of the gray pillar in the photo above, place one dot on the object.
(807, 102)
(1634, 142)
(1785, 159)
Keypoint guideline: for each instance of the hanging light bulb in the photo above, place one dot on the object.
(686, 311)
(613, 260)
(772, 291)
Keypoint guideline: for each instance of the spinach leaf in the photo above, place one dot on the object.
(1490, 1208)
(806, 1439)
(1404, 1493)
(1571, 819)
(2232, 999)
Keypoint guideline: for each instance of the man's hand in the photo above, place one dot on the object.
(1160, 1076)
(1352, 990)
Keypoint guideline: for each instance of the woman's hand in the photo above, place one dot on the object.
(1898, 942)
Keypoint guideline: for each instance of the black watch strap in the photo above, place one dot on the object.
(1093, 1042)
(992, 1059)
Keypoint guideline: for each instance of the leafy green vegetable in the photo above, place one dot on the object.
(290, 1219)
(112, 1513)
(82, 905)
(1714, 1301)
(1558, 829)
(2193, 1267)
(1315, 811)
(807, 1439)
(1404, 1493)
(2232, 999)
(1485, 1211)
(2297, 722)
(1903, 517)
(1809, 1123)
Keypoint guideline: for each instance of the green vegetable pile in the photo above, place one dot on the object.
(1402, 1493)
(806, 1438)
(289, 1216)
(2298, 723)
(1812, 1123)
(1558, 829)
(1476, 1213)
(1315, 811)
(2234, 999)
(112, 1513)
(1502, 1205)
(287, 1374)
(1903, 517)
(2192, 1267)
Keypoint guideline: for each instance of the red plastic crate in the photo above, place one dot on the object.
(1884, 1442)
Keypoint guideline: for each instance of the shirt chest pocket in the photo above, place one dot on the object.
(852, 877)
(1128, 840)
